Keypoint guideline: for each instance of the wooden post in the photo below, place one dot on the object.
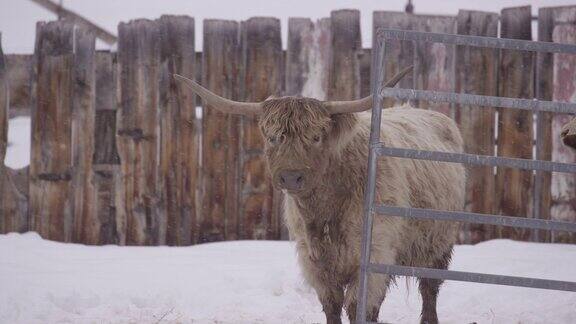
(399, 54)
(365, 70)
(434, 62)
(51, 207)
(262, 50)
(86, 223)
(179, 140)
(515, 130)
(548, 18)
(344, 75)
(106, 162)
(19, 73)
(4, 101)
(564, 90)
(308, 58)
(220, 133)
(476, 74)
(139, 56)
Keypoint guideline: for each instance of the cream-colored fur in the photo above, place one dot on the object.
(329, 252)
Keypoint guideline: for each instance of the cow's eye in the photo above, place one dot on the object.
(317, 139)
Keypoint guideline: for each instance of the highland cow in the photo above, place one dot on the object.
(317, 154)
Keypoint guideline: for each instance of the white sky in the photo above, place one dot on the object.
(18, 17)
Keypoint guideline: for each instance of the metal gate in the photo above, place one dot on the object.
(378, 149)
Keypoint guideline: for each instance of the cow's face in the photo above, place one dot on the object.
(297, 134)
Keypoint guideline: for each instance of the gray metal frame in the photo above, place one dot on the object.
(378, 149)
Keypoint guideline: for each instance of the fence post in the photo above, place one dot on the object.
(138, 56)
(434, 62)
(262, 51)
(51, 208)
(19, 75)
(344, 74)
(564, 90)
(86, 223)
(308, 57)
(179, 140)
(476, 74)
(106, 163)
(548, 18)
(220, 132)
(515, 133)
(399, 54)
(4, 100)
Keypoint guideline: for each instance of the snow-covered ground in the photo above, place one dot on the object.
(252, 282)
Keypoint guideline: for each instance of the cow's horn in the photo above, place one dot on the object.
(352, 106)
(224, 105)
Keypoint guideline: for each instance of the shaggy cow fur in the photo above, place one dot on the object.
(325, 217)
(569, 134)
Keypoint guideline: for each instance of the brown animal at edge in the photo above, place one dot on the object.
(317, 154)
(569, 134)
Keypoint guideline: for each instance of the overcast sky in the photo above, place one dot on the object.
(18, 17)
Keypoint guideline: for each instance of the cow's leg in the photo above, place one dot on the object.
(378, 286)
(429, 289)
(332, 299)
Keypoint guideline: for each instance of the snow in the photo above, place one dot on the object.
(252, 282)
(18, 153)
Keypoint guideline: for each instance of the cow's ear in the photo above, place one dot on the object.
(344, 128)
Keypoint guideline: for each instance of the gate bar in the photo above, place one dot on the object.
(478, 100)
(430, 273)
(477, 41)
(473, 159)
(467, 217)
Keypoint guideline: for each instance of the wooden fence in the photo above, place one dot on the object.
(119, 155)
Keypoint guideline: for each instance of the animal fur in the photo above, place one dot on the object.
(325, 220)
(569, 134)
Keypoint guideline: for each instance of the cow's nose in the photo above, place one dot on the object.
(291, 179)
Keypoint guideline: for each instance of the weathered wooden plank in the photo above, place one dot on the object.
(13, 184)
(308, 57)
(515, 130)
(262, 49)
(548, 18)
(4, 104)
(220, 132)
(344, 74)
(51, 208)
(4, 101)
(106, 162)
(19, 71)
(399, 54)
(179, 140)
(365, 69)
(476, 74)
(86, 223)
(434, 62)
(564, 90)
(139, 56)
